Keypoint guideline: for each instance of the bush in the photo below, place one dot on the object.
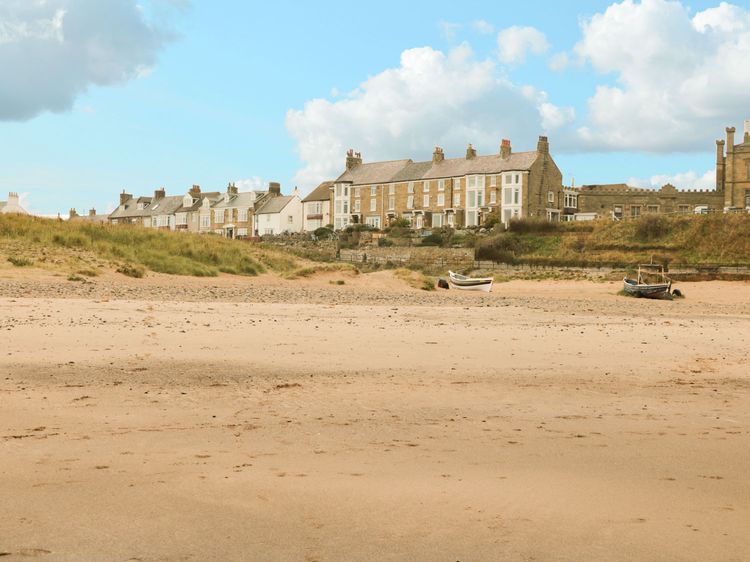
(491, 220)
(131, 270)
(651, 227)
(20, 262)
(400, 222)
(434, 239)
(323, 233)
(384, 242)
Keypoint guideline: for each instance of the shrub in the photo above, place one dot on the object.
(20, 262)
(434, 239)
(384, 242)
(491, 220)
(651, 227)
(131, 270)
(400, 222)
(323, 233)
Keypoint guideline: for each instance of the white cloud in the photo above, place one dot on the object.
(51, 51)
(254, 183)
(559, 62)
(683, 180)
(484, 27)
(679, 78)
(448, 30)
(514, 43)
(431, 98)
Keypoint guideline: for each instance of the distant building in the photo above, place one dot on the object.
(316, 207)
(279, 215)
(92, 216)
(12, 205)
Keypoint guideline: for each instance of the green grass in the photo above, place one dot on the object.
(133, 249)
(695, 239)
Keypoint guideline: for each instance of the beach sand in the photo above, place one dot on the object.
(265, 419)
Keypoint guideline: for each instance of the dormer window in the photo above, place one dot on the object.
(140, 206)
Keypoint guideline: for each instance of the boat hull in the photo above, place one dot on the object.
(647, 291)
(485, 287)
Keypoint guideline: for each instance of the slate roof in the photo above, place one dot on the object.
(198, 201)
(320, 193)
(275, 205)
(130, 208)
(246, 199)
(165, 205)
(408, 170)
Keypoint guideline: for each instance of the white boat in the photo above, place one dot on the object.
(464, 283)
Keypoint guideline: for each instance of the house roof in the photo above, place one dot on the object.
(489, 164)
(245, 199)
(275, 205)
(130, 208)
(198, 201)
(408, 170)
(320, 193)
(165, 205)
(373, 172)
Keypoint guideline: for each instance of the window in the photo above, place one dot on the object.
(652, 208)
(290, 219)
(425, 201)
(475, 182)
(471, 218)
(747, 198)
(373, 222)
(456, 183)
(684, 209)
(508, 178)
(392, 189)
(471, 198)
(437, 220)
(516, 195)
(550, 197)
(357, 206)
(357, 192)
(181, 218)
(507, 215)
(571, 200)
(205, 221)
(338, 207)
(242, 232)
(410, 202)
(391, 202)
(493, 197)
(373, 205)
(617, 211)
(480, 198)
(418, 221)
(345, 206)
(219, 216)
(518, 178)
(451, 219)
(456, 199)
(268, 231)
(410, 187)
(635, 211)
(373, 190)
(441, 200)
(507, 196)
(426, 187)
(441, 185)
(493, 181)
(242, 214)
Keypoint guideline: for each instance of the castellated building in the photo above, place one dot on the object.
(617, 201)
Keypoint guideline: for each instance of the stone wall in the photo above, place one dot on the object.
(416, 256)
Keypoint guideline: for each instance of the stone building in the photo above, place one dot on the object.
(618, 201)
(452, 192)
(316, 207)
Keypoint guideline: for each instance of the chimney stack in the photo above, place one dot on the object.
(471, 152)
(72, 214)
(746, 137)
(231, 188)
(353, 159)
(92, 212)
(195, 190)
(543, 145)
(160, 193)
(730, 139)
(438, 155)
(124, 197)
(505, 148)
(274, 188)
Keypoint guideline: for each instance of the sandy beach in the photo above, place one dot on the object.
(266, 419)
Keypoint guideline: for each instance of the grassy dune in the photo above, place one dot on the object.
(86, 248)
(696, 239)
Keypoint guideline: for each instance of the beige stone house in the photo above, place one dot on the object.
(233, 214)
(454, 192)
(92, 217)
(195, 204)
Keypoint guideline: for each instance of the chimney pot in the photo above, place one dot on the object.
(92, 212)
(471, 152)
(353, 159)
(505, 148)
(160, 193)
(438, 155)
(274, 188)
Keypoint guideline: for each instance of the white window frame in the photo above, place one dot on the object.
(441, 199)
(493, 181)
(456, 199)
(410, 187)
(441, 185)
(373, 205)
(425, 200)
(409, 201)
(425, 187)
(242, 215)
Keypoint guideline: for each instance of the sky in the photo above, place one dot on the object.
(98, 96)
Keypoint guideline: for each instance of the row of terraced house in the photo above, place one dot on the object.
(454, 192)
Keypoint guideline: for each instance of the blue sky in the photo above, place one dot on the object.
(204, 95)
